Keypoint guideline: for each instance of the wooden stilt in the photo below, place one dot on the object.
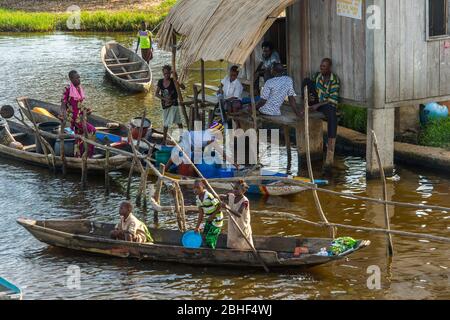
(107, 186)
(385, 195)
(134, 163)
(84, 167)
(62, 146)
(287, 139)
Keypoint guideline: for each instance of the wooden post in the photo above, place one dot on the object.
(131, 141)
(85, 151)
(385, 195)
(62, 146)
(107, 187)
(252, 98)
(175, 77)
(38, 132)
(194, 110)
(287, 139)
(310, 170)
(159, 184)
(202, 71)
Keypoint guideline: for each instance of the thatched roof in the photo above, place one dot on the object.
(215, 30)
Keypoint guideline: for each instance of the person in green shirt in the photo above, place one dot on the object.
(145, 42)
(209, 207)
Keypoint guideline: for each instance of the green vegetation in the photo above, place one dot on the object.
(353, 117)
(21, 21)
(436, 134)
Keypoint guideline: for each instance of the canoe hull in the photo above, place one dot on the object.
(73, 164)
(169, 250)
(127, 84)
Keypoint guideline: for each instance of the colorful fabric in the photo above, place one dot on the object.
(341, 245)
(209, 204)
(275, 92)
(327, 90)
(145, 39)
(72, 98)
(211, 234)
(76, 93)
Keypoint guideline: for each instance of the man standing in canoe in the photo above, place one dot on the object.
(210, 207)
(145, 41)
(72, 111)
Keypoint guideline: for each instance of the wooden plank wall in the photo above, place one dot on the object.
(330, 35)
(415, 68)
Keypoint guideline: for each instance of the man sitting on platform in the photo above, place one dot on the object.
(231, 90)
(323, 91)
(275, 92)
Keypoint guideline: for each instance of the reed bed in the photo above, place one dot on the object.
(121, 20)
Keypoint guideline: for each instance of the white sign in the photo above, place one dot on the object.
(349, 8)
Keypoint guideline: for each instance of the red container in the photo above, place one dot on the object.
(136, 126)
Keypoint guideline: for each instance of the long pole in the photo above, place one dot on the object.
(310, 170)
(385, 195)
(230, 212)
(175, 78)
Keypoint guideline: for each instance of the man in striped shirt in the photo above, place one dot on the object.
(323, 91)
(209, 208)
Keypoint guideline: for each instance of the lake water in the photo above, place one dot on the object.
(36, 65)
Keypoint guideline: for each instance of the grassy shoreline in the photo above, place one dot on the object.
(99, 20)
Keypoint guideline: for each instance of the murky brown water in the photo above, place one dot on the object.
(36, 66)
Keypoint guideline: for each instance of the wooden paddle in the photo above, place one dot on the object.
(229, 210)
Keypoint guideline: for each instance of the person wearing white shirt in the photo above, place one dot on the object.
(231, 89)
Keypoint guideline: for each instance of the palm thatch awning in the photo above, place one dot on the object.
(215, 30)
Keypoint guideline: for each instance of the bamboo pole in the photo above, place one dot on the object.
(175, 77)
(310, 170)
(230, 212)
(385, 195)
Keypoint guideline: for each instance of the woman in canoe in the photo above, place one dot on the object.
(240, 204)
(72, 111)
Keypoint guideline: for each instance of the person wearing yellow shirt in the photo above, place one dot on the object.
(145, 42)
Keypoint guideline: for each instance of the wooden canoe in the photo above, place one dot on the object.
(26, 136)
(93, 237)
(126, 68)
(9, 291)
(55, 110)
